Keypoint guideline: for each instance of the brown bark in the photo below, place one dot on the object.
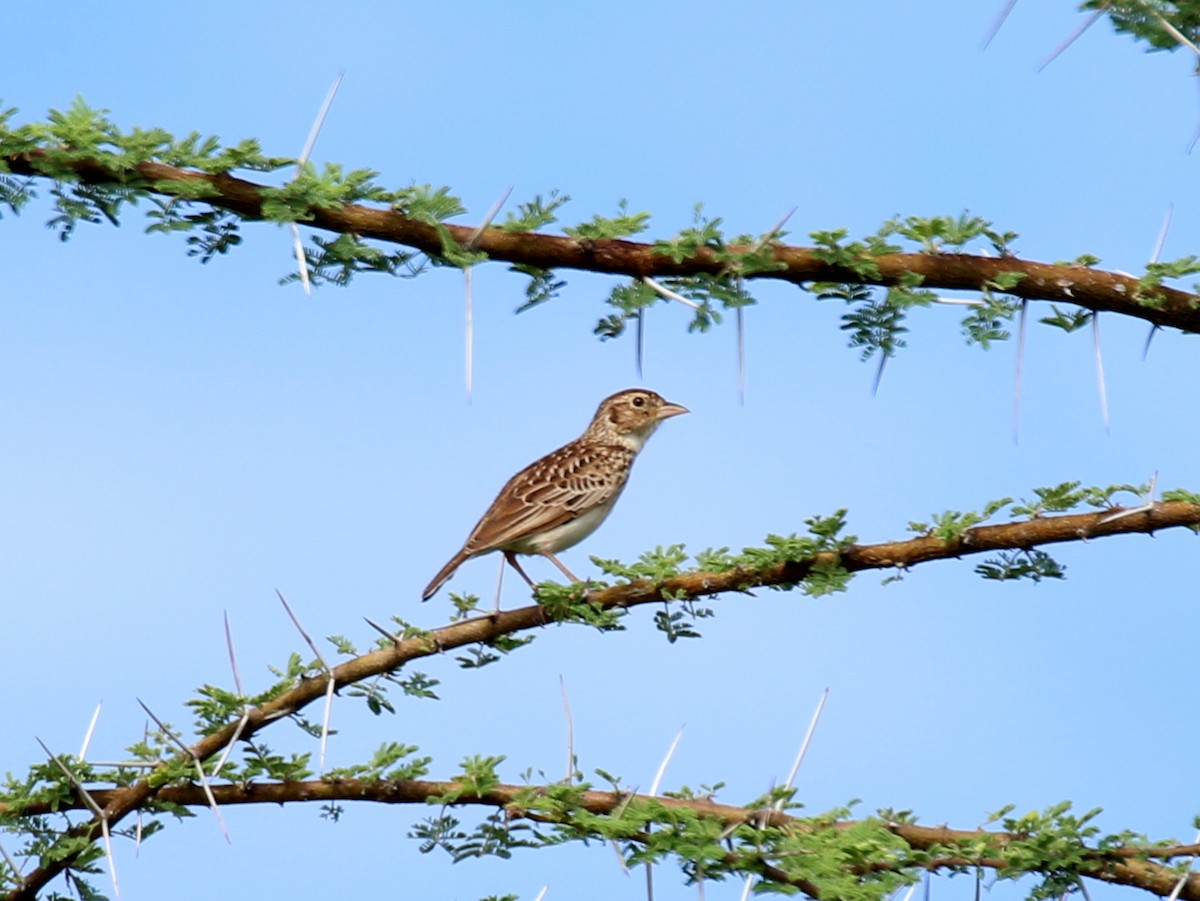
(1089, 288)
(1128, 866)
(485, 629)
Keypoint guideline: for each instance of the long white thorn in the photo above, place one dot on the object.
(329, 688)
(662, 767)
(741, 354)
(1149, 339)
(1158, 246)
(740, 312)
(640, 344)
(487, 220)
(769, 235)
(1070, 39)
(296, 622)
(1147, 504)
(12, 865)
(233, 740)
(998, 22)
(1169, 28)
(469, 332)
(1162, 233)
(212, 801)
(95, 808)
(658, 778)
(616, 816)
(330, 685)
(566, 701)
(102, 818)
(500, 583)
(237, 679)
(912, 890)
(664, 291)
(391, 636)
(468, 288)
(112, 863)
(91, 730)
(883, 358)
(320, 120)
(1022, 322)
(808, 736)
(959, 301)
(88, 800)
(297, 243)
(1183, 877)
(1100, 371)
(301, 260)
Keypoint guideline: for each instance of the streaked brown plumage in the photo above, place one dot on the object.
(558, 501)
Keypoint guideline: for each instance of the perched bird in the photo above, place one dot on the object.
(561, 499)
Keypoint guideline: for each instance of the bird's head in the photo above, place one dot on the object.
(630, 417)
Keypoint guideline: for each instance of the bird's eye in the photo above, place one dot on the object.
(639, 401)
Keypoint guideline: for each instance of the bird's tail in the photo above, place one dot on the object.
(443, 575)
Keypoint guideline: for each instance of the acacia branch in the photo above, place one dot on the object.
(489, 628)
(1132, 866)
(1078, 285)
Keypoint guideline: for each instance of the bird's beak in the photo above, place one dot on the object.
(666, 411)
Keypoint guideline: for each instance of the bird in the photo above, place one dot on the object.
(559, 500)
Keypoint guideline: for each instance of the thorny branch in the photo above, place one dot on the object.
(1137, 867)
(1084, 287)
(119, 803)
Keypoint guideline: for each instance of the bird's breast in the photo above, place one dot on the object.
(566, 535)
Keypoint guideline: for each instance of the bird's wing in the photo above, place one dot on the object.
(553, 491)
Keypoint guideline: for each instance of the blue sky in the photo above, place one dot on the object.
(183, 440)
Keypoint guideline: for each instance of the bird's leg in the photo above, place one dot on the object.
(499, 586)
(566, 572)
(512, 561)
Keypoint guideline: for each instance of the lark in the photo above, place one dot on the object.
(561, 499)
